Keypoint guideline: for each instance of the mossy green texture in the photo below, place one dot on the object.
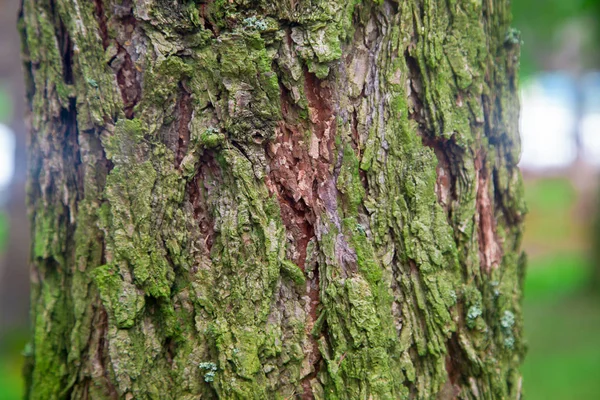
(120, 297)
(172, 261)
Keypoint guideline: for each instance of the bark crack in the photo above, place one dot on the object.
(489, 250)
(183, 124)
(128, 75)
(198, 190)
(101, 18)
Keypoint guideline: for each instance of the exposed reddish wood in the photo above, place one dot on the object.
(301, 178)
(299, 163)
(101, 357)
(292, 179)
(198, 189)
(489, 249)
(101, 19)
(204, 8)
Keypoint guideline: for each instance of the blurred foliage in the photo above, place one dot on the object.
(554, 275)
(3, 230)
(6, 106)
(11, 365)
(541, 21)
(548, 195)
(551, 226)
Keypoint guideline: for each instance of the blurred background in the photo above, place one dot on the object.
(14, 227)
(560, 127)
(560, 130)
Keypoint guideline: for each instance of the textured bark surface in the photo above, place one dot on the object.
(274, 199)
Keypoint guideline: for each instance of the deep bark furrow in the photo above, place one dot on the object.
(102, 25)
(184, 114)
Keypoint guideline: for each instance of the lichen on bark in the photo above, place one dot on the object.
(284, 199)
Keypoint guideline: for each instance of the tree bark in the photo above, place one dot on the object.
(274, 199)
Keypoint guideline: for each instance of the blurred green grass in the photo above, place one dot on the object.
(563, 360)
(562, 314)
(550, 195)
(551, 276)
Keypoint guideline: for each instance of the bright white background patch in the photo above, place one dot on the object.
(548, 121)
(590, 130)
(7, 156)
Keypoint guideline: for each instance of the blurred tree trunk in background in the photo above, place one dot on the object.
(274, 199)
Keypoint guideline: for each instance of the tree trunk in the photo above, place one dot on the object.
(274, 199)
